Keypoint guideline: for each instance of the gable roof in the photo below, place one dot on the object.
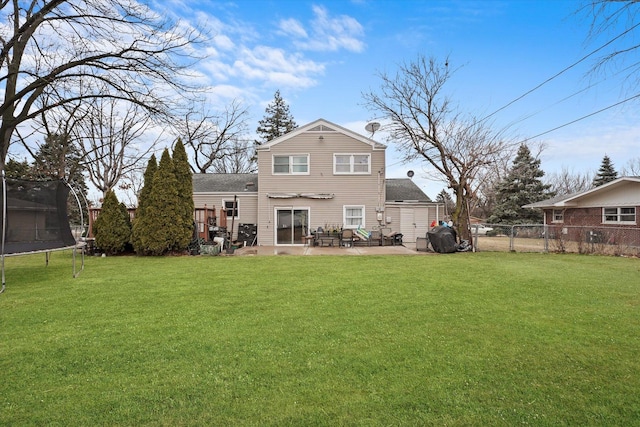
(404, 190)
(570, 200)
(225, 182)
(321, 126)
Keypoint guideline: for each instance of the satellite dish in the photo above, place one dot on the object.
(372, 127)
(410, 174)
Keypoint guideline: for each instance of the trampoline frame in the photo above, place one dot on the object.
(78, 245)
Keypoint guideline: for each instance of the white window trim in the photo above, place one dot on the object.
(553, 216)
(291, 156)
(351, 164)
(224, 206)
(344, 216)
(619, 214)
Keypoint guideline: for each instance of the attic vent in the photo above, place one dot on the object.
(321, 128)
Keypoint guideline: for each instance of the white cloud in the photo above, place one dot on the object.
(276, 66)
(292, 27)
(330, 33)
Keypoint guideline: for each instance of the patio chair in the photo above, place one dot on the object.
(347, 238)
(375, 238)
(388, 237)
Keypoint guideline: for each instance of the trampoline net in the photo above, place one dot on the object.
(36, 216)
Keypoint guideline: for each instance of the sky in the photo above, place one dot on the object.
(323, 55)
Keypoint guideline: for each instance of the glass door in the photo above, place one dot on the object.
(292, 226)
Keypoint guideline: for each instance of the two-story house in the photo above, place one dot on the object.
(319, 175)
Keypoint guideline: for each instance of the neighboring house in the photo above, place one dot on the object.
(601, 210)
(319, 175)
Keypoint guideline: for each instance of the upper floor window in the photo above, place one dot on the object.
(352, 163)
(291, 165)
(619, 215)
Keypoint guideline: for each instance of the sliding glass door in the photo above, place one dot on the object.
(292, 225)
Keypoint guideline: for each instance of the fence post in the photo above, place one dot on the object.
(546, 238)
(511, 239)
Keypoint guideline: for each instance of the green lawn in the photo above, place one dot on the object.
(462, 339)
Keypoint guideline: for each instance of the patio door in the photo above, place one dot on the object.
(292, 224)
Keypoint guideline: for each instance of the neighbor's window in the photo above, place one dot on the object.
(619, 215)
(558, 215)
(353, 216)
(352, 163)
(291, 165)
(230, 210)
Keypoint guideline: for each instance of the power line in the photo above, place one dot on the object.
(560, 72)
(582, 118)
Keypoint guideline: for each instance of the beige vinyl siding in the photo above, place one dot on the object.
(367, 190)
(419, 220)
(247, 206)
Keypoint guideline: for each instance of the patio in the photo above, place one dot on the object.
(406, 249)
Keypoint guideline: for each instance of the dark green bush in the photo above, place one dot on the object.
(112, 228)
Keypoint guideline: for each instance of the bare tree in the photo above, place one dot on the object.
(81, 50)
(238, 159)
(568, 182)
(112, 141)
(214, 141)
(632, 168)
(423, 123)
(617, 22)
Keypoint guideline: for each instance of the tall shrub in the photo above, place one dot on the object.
(143, 197)
(162, 223)
(184, 185)
(112, 228)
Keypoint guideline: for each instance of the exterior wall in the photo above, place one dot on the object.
(412, 219)
(367, 190)
(247, 208)
(580, 223)
(623, 194)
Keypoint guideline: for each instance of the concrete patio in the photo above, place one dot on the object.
(406, 249)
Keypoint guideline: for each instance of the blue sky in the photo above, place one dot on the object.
(322, 55)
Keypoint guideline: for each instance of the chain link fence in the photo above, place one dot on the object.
(605, 240)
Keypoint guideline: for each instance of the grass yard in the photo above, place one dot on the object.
(459, 340)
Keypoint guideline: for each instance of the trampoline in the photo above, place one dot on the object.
(35, 220)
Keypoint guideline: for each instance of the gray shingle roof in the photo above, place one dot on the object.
(398, 189)
(225, 182)
(404, 189)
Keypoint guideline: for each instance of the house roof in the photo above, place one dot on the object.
(225, 182)
(404, 190)
(570, 200)
(398, 189)
(321, 126)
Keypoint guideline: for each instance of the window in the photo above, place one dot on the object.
(230, 210)
(619, 215)
(352, 163)
(291, 165)
(558, 215)
(353, 216)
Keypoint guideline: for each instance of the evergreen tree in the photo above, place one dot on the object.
(161, 224)
(18, 170)
(143, 200)
(606, 173)
(445, 198)
(276, 122)
(184, 180)
(112, 228)
(521, 186)
(60, 158)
